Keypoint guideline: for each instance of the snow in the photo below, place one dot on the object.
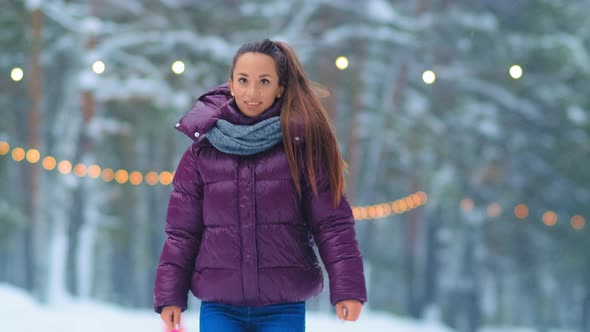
(33, 4)
(91, 25)
(485, 22)
(577, 115)
(266, 9)
(384, 34)
(380, 10)
(574, 45)
(72, 315)
(217, 47)
(88, 80)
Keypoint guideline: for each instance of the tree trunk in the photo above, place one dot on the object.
(86, 223)
(431, 270)
(34, 275)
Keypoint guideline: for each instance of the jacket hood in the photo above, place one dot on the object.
(218, 103)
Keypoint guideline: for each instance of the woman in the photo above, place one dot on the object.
(260, 184)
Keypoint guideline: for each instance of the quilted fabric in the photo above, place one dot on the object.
(237, 231)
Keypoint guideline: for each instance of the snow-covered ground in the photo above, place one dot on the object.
(19, 312)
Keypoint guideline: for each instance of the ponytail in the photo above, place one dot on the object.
(301, 106)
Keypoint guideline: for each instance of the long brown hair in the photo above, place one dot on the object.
(302, 109)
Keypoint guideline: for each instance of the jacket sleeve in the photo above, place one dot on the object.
(334, 234)
(184, 227)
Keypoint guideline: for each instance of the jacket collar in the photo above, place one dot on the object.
(216, 104)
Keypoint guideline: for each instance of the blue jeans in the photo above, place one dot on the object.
(219, 317)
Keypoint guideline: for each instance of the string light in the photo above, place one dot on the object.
(376, 211)
(80, 170)
(342, 62)
(49, 163)
(18, 154)
(166, 178)
(429, 77)
(550, 218)
(382, 210)
(98, 67)
(578, 222)
(33, 156)
(121, 176)
(94, 171)
(135, 178)
(64, 167)
(521, 211)
(4, 148)
(108, 175)
(178, 67)
(152, 178)
(17, 74)
(516, 72)
(467, 204)
(494, 210)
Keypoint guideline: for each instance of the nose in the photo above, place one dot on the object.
(253, 90)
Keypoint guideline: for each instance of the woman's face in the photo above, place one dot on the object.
(255, 83)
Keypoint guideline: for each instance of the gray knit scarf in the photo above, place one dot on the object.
(245, 140)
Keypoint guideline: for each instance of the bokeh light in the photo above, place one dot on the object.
(152, 178)
(49, 163)
(98, 67)
(80, 170)
(18, 154)
(165, 178)
(178, 67)
(121, 176)
(550, 218)
(342, 62)
(521, 211)
(94, 171)
(494, 210)
(4, 148)
(108, 174)
(17, 74)
(429, 77)
(516, 72)
(135, 178)
(467, 204)
(64, 167)
(578, 222)
(33, 156)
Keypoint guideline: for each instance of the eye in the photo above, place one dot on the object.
(242, 80)
(264, 81)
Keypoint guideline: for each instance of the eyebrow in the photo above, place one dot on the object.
(263, 75)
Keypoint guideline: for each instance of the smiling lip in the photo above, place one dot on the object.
(252, 103)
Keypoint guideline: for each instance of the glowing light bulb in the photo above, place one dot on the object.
(33, 156)
(17, 74)
(178, 67)
(342, 62)
(521, 211)
(429, 77)
(98, 67)
(516, 72)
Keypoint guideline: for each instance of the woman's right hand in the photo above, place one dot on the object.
(171, 317)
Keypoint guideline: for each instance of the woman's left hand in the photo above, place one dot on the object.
(349, 309)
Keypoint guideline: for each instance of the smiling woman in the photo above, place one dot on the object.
(245, 207)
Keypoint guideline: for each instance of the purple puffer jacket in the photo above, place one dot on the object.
(239, 234)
